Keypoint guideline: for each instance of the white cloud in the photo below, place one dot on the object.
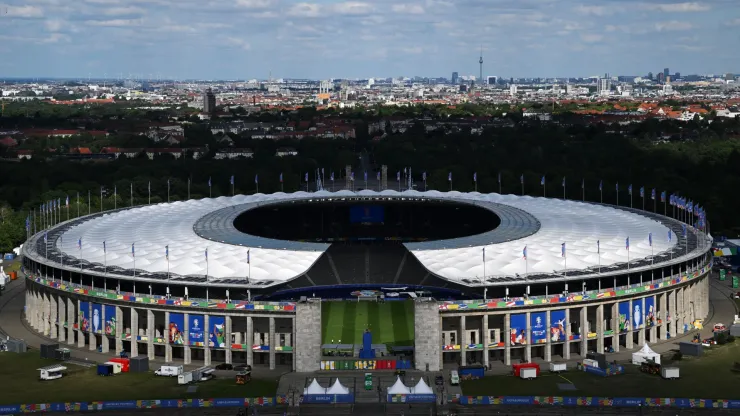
(591, 37)
(735, 22)
(115, 22)
(27, 12)
(53, 25)
(676, 7)
(122, 11)
(673, 26)
(255, 4)
(238, 42)
(305, 10)
(352, 7)
(406, 8)
(591, 10)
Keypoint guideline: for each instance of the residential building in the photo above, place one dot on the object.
(209, 102)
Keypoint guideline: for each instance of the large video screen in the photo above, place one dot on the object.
(372, 214)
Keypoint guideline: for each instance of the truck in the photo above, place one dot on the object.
(52, 372)
(185, 378)
(528, 373)
(169, 370)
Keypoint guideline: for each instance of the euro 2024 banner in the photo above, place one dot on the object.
(177, 328)
(538, 325)
(625, 323)
(196, 331)
(83, 317)
(217, 333)
(518, 334)
(557, 325)
(638, 314)
(650, 315)
(110, 320)
(97, 318)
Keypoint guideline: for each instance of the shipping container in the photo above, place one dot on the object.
(105, 370)
(125, 363)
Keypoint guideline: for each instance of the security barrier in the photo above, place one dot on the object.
(595, 401)
(141, 404)
(366, 365)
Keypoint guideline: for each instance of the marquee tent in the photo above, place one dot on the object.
(337, 388)
(398, 387)
(314, 388)
(646, 353)
(422, 387)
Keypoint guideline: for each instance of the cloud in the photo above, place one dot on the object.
(305, 10)
(735, 22)
(115, 22)
(238, 42)
(590, 10)
(122, 11)
(591, 38)
(676, 7)
(25, 12)
(408, 8)
(255, 4)
(673, 26)
(53, 25)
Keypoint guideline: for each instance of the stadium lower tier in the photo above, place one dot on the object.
(289, 335)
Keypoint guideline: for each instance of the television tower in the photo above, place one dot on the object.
(480, 63)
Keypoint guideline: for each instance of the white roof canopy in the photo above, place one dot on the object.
(314, 388)
(398, 387)
(422, 387)
(337, 388)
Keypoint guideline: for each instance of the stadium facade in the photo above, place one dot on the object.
(548, 278)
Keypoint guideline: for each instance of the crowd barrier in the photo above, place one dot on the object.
(141, 404)
(595, 401)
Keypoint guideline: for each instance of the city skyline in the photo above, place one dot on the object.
(245, 39)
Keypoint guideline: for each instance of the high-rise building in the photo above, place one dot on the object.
(666, 73)
(650, 76)
(492, 80)
(209, 102)
(677, 76)
(604, 85)
(455, 77)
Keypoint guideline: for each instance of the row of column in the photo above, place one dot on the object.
(45, 309)
(677, 308)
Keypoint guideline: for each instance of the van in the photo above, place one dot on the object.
(454, 378)
(169, 370)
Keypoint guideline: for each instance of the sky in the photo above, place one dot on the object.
(246, 39)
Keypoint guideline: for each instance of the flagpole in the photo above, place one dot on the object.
(149, 191)
(78, 203)
(101, 199)
(89, 203)
(583, 189)
(132, 194)
(168, 191)
(499, 183)
(206, 274)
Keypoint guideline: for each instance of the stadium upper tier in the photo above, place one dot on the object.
(203, 244)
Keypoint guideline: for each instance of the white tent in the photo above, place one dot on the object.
(645, 354)
(398, 387)
(314, 388)
(337, 388)
(422, 387)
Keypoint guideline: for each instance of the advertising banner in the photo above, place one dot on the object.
(624, 317)
(177, 328)
(638, 314)
(110, 320)
(328, 398)
(97, 318)
(196, 330)
(537, 324)
(557, 325)
(217, 333)
(518, 327)
(83, 316)
(650, 311)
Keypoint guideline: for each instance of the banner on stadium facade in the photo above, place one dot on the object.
(177, 329)
(196, 331)
(217, 332)
(110, 320)
(557, 325)
(83, 318)
(624, 317)
(538, 327)
(518, 328)
(650, 315)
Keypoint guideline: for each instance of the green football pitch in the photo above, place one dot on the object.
(391, 323)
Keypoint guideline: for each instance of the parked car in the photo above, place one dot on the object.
(243, 367)
(224, 366)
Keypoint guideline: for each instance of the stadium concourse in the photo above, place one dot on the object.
(488, 278)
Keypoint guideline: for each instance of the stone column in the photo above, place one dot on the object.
(62, 314)
(485, 337)
(507, 339)
(39, 312)
(308, 337)
(46, 314)
(272, 343)
(250, 342)
(568, 332)
(186, 356)
(615, 325)
(150, 334)
(600, 328)
(104, 340)
(119, 330)
(134, 332)
(680, 310)
(630, 341)
(206, 339)
(92, 337)
(167, 346)
(641, 331)
(672, 306)
(71, 319)
(664, 312)
(53, 316)
(227, 334)
(80, 334)
(528, 347)
(584, 331)
(548, 337)
(463, 341)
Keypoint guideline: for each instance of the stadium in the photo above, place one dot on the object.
(297, 280)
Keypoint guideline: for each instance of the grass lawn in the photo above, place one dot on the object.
(391, 323)
(20, 384)
(708, 377)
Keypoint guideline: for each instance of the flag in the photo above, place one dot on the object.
(67, 203)
(79, 243)
(683, 230)
(642, 192)
(209, 181)
(627, 243)
(475, 176)
(499, 178)
(524, 253)
(542, 181)
(563, 181)
(670, 237)
(365, 176)
(484, 254)
(601, 185)
(583, 183)
(662, 197)
(377, 176)
(133, 250)
(650, 239)
(256, 178)
(167, 252)
(598, 247)
(629, 189)
(562, 250)
(248, 259)
(449, 177)
(104, 250)
(332, 177)
(424, 176)
(46, 237)
(652, 194)
(617, 187)
(28, 223)
(206, 253)
(305, 177)
(281, 177)
(231, 181)
(352, 176)
(398, 176)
